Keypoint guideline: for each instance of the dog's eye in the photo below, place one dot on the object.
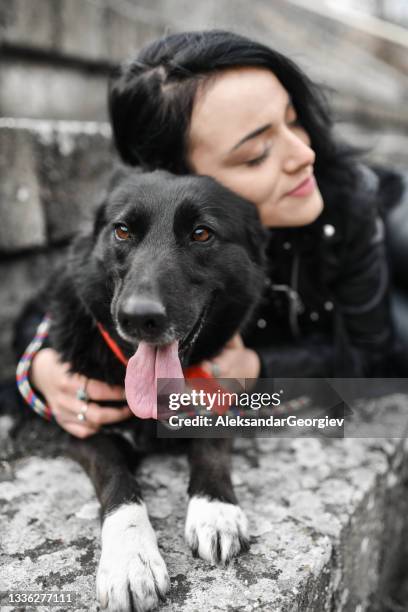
(122, 232)
(201, 234)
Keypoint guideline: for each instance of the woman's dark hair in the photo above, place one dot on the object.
(151, 98)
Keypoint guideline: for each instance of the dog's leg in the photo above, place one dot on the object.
(132, 574)
(216, 527)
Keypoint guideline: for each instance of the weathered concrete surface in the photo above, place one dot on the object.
(327, 519)
(66, 48)
(72, 92)
(378, 37)
(92, 31)
(21, 280)
(52, 176)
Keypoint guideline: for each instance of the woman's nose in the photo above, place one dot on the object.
(298, 153)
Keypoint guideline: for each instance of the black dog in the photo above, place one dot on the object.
(170, 261)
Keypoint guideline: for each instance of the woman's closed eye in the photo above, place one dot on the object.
(256, 161)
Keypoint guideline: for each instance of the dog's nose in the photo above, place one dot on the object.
(144, 317)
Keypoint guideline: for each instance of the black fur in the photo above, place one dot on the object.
(221, 277)
(161, 261)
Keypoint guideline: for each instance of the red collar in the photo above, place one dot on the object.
(190, 372)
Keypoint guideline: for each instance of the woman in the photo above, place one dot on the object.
(219, 104)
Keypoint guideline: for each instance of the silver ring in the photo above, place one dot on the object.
(81, 416)
(215, 370)
(82, 394)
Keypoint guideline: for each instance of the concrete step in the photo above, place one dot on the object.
(383, 39)
(57, 54)
(98, 31)
(363, 88)
(52, 173)
(38, 89)
(327, 523)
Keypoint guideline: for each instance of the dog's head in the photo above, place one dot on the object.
(173, 260)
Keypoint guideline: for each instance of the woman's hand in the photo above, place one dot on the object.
(59, 388)
(234, 361)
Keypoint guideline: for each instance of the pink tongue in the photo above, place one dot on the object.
(144, 368)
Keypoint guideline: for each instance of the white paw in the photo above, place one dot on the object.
(216, 531)
(131, 574)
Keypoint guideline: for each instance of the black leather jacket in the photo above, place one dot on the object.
(326, 310)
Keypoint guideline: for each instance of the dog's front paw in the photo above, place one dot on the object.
(132, 574)
(216, 531)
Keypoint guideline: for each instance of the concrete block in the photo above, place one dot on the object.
(74, 169)
(82, 29)
(125, 35)
(90, 31)
(61, 168)
(21, 279)
(37, 90)
(23, 222)
(27, 23)
(319, 512)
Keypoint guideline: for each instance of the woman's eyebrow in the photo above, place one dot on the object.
(259, 130)
(251, 135)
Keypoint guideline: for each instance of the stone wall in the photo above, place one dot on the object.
(65, 48)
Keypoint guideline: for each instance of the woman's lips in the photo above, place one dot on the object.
(303, 189)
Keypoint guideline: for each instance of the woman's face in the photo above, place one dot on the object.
(244, 133)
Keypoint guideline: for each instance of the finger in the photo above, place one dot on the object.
(104, 416)
(74, 426)
(95, 388)
(235, 342)
(68, 408)
(99, 390)
(95, 416)
(79, 430)
(72, 382)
